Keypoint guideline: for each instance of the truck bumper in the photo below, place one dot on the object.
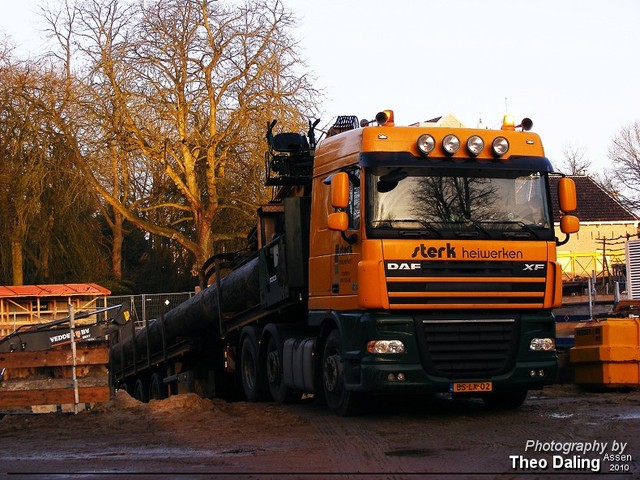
(412, 378)
(440, 351)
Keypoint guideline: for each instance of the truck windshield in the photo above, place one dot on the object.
(405, 202)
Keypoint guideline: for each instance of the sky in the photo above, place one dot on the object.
(569, 65)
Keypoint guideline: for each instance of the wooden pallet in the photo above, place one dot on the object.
(46, 377)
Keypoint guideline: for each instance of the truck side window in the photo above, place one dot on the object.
(354, 199)
(353, 208)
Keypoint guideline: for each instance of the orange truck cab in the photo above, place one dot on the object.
(432, 261)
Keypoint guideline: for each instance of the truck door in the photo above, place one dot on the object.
(346, 246)
(333, 257)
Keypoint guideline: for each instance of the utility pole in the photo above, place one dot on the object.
(605, 263)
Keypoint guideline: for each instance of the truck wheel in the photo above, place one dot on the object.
(506, 399)
(339, 399)
(141, 391)
(280, 392)
(157, 389)
(252, 381)
(129, 387)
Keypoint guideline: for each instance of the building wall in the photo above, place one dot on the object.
(583, 254)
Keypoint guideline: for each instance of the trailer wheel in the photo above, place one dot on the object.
(141, 391)
(280, 392)
(157, 388)
(128, 386)
(506, 399)
(252, 381)
(339, 399)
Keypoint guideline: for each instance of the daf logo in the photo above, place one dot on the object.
(404, 266)
(533, 267)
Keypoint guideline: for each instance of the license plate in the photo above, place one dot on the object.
(471, 387)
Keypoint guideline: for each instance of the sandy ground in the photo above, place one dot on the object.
(434, 437)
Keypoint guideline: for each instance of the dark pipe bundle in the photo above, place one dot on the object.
(239, 291)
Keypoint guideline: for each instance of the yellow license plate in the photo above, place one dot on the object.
(471, 387)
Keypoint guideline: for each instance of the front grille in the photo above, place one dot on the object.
(447, 284)
(467, 348)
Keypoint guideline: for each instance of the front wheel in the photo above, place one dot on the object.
(280, 392)
(339, 399)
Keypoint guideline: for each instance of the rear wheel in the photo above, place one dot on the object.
(339, 399)
(252, 381)
(129, 387)
(506, 399)
(141, 390)
(157, 389)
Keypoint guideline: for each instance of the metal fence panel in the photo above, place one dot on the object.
(149, 306)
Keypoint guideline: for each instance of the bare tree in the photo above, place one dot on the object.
(88, 115)
(624, 154)
(575, 162)
(184, 90)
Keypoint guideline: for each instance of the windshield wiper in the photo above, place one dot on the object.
(528, 234)
(528, 228)
(477, 225)
(419, 233)
(428, 230)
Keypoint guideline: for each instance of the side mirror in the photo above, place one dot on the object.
(567, 195)
(338, 221)
(569, 224)
(340, 190)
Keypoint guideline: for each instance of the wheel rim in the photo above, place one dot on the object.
(139, 391)
(157, 390)
(339, 398)
(273, 367)
(249, 369)
(332, 373)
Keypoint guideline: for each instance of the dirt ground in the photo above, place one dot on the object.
(433, 437)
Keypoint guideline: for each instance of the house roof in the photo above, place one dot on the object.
(594, 203)
(448, 120)
(56, 290)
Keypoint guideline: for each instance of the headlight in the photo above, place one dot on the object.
(426, 143)
(542, 344)
(475, 144)
(500, 146)
(451, 144)
(385, 346)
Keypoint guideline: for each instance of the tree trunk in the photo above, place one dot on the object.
(205, 244)
(45, 252)
(17, 262)
(116, 247)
